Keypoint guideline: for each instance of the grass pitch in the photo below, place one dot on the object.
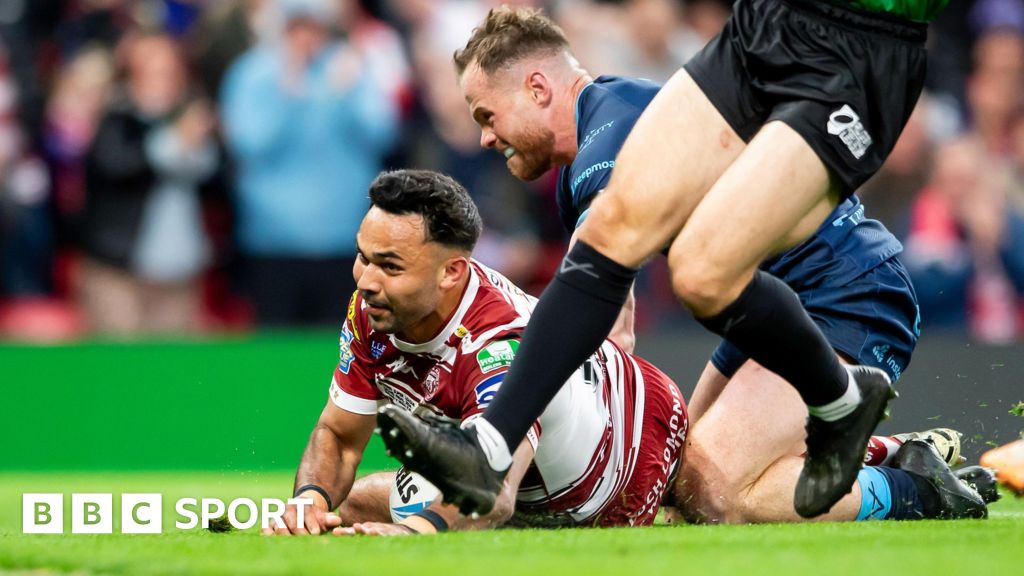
(994, 546)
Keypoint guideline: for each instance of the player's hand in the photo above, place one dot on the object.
(374, 529)
(314, 519)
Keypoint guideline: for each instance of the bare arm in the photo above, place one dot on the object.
(332, 455)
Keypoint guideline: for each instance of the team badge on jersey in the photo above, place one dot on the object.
(497, 355)
(345, 355)
(431, 381)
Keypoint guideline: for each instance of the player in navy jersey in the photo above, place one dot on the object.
(746, 452)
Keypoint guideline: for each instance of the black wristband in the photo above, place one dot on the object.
(318, 490)
(438, 521)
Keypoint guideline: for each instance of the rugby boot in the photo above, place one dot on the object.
(444, 454)
(955, 499)
(835, 450)
(947, 442)
(983, 480)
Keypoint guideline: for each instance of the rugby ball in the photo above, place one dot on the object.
(410, 493)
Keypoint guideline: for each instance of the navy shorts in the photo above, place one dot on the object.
(871, 317)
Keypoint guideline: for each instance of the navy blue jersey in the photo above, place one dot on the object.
(843, 260)
(606, 110)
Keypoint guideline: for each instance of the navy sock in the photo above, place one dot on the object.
(768, 324)
(573, 317)
(890, 494)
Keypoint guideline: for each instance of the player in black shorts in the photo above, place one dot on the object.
(741, 155)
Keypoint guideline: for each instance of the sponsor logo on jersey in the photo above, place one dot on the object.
(486, 390)
(846, 124)
(496, 355)
(345, 355)
(377, 349)
(351, 316)
(606, 165)
(589, 138)
(401, 366)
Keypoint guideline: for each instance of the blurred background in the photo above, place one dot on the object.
(179, 167)
(181, 182)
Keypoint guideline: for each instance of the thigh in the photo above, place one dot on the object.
(678, 148)
(777, 192)
(368, 501)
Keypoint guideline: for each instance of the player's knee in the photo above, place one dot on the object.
(611, 228)
(701, 288)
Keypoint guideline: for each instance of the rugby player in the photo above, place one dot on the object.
(539, 108)
(431, 330)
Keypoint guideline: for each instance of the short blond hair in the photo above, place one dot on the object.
(507, 35)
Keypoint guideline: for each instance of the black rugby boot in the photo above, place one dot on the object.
(835, 450)
(953, 498)
(444, 454)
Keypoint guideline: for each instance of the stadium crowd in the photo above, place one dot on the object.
(171, 166)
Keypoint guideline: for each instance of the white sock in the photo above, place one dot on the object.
(840, 407)
(493, 444)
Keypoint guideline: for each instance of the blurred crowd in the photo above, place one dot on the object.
(179, 166)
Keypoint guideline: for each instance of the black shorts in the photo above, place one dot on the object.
(846, 80)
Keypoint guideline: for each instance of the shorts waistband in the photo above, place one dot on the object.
(876, 22)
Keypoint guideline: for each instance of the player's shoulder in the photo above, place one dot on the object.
(615, 97)
(499, 310)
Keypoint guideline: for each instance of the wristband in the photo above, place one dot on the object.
(439, 523)
(318, 490)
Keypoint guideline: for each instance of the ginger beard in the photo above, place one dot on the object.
(532, 148)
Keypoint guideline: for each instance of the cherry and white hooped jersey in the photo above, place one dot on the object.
(586, 442)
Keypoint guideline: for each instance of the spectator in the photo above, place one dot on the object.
(25, 228)
(965, 249)
(308, 124)
(143, 236)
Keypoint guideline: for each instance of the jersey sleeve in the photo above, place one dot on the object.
(352, 387)
(481, 375)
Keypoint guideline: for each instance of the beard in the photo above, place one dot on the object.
(532, 158)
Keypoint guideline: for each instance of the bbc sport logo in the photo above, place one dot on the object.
(93, 513)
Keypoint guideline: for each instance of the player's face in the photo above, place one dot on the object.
(396, 271)
(510, 121)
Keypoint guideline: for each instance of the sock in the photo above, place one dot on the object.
(881, 449)
(840, 407)
(497, 451)
(768, 323)
(889, 494)
(573, 317)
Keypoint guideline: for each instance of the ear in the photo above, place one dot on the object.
(455, 269)
(539, 87)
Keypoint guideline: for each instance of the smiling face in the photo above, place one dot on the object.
(402, 277)
(513, 120)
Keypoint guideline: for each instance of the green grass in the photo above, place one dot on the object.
(994, 546)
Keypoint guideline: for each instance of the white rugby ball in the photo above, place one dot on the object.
(410, 493)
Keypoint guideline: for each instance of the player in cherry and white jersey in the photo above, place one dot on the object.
(432, 331)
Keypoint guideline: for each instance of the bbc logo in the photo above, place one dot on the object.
(91, 513)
